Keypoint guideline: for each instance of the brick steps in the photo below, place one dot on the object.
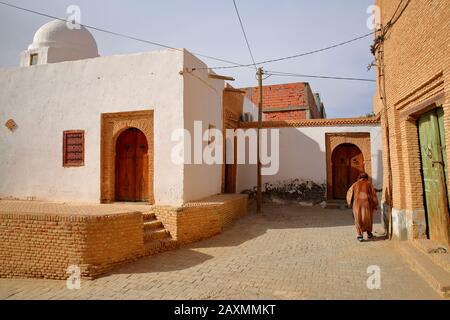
(436, 276)
(152, 225)
(157, 234)
(148, 216)
(156, 238)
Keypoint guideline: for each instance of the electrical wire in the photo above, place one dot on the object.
(118, 34)
(297, 55)
(245, 34)
(287, 74)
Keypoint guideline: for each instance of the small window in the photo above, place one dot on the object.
(34, 59)
(73, 148)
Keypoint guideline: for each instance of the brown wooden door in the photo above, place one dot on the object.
(132, 166)
(347, 163)
(231, 168)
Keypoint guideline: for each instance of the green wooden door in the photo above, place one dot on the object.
(434, 169)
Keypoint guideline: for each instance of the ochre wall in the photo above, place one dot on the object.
(45, 245)
(202, 219)
(417, 70)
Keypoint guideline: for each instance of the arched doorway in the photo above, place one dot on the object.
(347, 163)
(132, 166)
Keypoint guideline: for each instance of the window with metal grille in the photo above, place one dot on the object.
(73, 148)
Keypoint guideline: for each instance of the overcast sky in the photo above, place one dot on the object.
(274, 28)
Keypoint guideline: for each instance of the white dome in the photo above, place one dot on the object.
(56, 34)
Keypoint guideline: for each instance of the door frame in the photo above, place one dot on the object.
(333, 140)
(112, 125)
(348, 167)
(137, 197)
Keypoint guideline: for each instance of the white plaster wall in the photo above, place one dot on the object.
(250, 107)
(203, 99)
(303, 156)
(45, 100)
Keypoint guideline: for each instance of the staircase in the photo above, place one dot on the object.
(156, 238)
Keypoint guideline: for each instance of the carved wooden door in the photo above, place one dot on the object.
(132, 166)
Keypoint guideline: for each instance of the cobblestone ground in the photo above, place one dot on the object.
(289, 252)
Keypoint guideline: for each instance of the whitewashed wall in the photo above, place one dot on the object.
(303, 156)
(202, 102)
(45, 100)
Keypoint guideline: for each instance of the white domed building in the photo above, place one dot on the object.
(57, 42)
(64, 109)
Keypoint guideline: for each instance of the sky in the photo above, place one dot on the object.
(275, 28)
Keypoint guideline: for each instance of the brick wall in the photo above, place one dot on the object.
(417, 68)
(45, 245)
(286, 115)
(292, 101)
(202, 219)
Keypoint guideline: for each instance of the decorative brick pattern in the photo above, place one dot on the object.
(333, 140)
(113, 124)
(313, 123)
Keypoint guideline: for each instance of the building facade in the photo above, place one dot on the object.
(291, 101)
(319, 159)
(413, 99)
(86, 128)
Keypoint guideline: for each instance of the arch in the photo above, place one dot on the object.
(131, 165)
(113, 125)
(360, 140)
(347, 163)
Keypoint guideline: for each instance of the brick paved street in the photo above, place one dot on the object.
(290, 252)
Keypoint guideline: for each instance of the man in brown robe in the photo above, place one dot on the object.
(364, 198)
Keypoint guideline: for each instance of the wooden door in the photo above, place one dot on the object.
(347, 164)
(231, 168)
(132, 166)
(433, 156)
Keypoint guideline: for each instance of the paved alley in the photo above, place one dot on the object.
(289, 252)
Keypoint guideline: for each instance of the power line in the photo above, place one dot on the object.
(116, 33)
(245, 34)
(297, 55)
(236, 65)
(287, 74)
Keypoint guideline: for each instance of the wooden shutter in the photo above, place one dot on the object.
(73, 148)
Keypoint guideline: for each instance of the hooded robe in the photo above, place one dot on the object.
(364, 198)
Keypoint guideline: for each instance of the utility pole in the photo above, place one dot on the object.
(260, 115)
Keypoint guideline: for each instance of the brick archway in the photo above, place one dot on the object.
(112, 125)
(360, 140)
